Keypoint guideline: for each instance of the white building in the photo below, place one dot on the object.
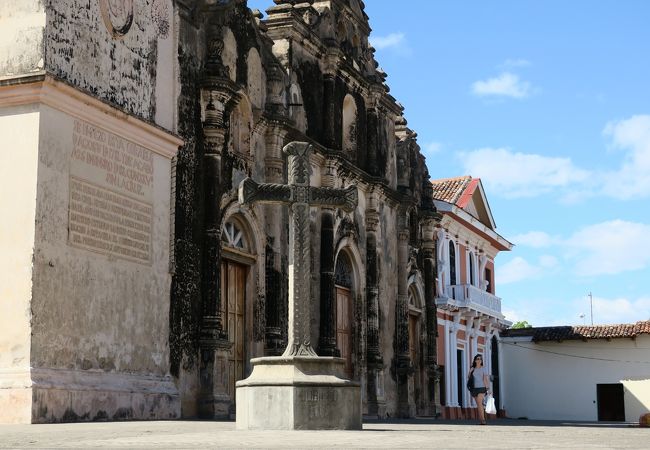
(577, 373)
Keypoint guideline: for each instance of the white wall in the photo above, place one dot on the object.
(557, 380)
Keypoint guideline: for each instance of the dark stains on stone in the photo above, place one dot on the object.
(71, 416)
(185, 311)
(310, 79)
(101, 416)
(123, 414)
(130, 83)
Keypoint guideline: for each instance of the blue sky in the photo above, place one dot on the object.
(549, 104)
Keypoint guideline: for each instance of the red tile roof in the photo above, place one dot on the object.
(451, 190)
(566, 333)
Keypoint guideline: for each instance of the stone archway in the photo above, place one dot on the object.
(418, 391)
(240, 292)
(349, 286)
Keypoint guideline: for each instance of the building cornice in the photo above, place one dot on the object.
(45, 90)
(473, 224)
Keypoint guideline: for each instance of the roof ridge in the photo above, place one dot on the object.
(460, 177)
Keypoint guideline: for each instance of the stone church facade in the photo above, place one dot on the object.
(205, 93)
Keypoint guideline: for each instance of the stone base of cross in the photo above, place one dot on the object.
(298, 390)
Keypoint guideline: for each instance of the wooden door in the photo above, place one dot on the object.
(344, 327)
(233, 285)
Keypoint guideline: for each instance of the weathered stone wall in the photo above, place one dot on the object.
(113, 49)
(101, 280)
(22, 25)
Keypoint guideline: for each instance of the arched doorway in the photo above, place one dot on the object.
(418, 389)
(236, 262)
(344, 311)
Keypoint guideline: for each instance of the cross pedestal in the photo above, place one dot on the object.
(298, 390)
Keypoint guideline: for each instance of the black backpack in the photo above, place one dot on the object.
(470, 380)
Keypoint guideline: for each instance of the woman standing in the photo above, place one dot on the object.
(480, 387)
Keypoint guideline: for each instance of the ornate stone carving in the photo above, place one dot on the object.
(298, 195)
(117, 16)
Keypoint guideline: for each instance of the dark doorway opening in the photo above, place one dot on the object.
(496, 384)
(611, 404)
(460, 382)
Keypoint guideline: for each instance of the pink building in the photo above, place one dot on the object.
(469, 311)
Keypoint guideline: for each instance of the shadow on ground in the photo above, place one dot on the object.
(502, 422)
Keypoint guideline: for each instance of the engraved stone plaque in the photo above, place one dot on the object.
(111, 190)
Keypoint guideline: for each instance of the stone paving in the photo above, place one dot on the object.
(501, 434)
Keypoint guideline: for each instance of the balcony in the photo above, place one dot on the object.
(469, 296)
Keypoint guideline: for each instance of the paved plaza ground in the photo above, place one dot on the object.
(501, 434)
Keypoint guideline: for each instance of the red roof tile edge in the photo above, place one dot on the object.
(565, 333)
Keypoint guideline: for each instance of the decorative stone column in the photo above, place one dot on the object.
(221, 96)
(428, 249)
(374, 359)
(372, 134)
(275, 220)
(330, 137)
(402, 360)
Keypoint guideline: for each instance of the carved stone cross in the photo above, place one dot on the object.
(300, 196)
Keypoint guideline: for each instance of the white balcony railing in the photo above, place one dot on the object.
(469, 296)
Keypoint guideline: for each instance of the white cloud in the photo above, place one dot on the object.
(515, 175)
(513, 63)
(548, 261)
(432, 147)
(632, 179)
(507, 85)
(535, 239)
(392, 40)
(544, 311)
(610, 248)
(518, 269)
(612, 311)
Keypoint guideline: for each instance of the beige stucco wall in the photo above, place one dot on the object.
(636, 397)
(18, 165)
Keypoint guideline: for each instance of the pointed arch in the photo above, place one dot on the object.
(256, 79)
(350, 127)
(241, 127)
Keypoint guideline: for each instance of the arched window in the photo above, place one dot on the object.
(233, 237)
(343, 272)
(452, 263)
(349, 142)
(241, 127)
(471, 269)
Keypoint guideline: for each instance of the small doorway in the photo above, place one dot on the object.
(496, 382)
(611, 403)
(344, 327)
(344, 312)
(233, 285)
(460, 379)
